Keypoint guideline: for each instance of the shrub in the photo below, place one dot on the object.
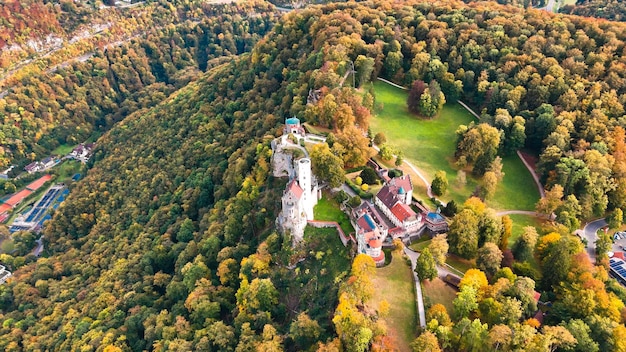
(395, 173)
(341, 197)
(365, 187)
(358, 181)
(355, 201)
(358, 190)
(525, 269)
(369, 176)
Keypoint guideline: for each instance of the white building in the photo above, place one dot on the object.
(292, 125)
(299, 198)
(371, 231)
(4, 274)
(82, 152)
(394, 201)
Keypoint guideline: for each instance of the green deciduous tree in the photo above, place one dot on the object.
(489, 258)
(616, 219)
(439, 185)
(525, 244)
(426, 267)
(438, 247)
(463, 234)
(465, 302)
(326, 165)
(304, 331)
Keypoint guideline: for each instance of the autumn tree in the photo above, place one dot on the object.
(438, 247)
(489, 258)
(507, 228)
(426, 342)
(380, 139)
(489, 184)
(417, 90)
(615, 219)
(326, 165)
(478, 145)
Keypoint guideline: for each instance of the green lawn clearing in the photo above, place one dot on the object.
(437, 291)
(67, 169)
(420, 244)
(517, 189)
(394, 283)
(63, 149)
(459, 264)
(519, 222)
(328, 210)
(429, 144)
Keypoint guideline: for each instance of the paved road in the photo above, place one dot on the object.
(391, 83)
(589, 231)
(550, 6)
(37, 251)
(468, 109)
(542, 192)
(419, 174)
(518, 212)
(418, 288)
(519, 154)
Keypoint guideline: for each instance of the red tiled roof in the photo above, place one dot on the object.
(39, 182)
(402, 181)
(380, 258)
(294, 188)
(18, 197)
(402, 211)
(375, 243)
(362, 222)
(536, 296)
(619, 255)
(387, 196)
(396, 230)
(4, 207)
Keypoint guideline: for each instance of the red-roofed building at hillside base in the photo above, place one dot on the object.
(371, 231)
(394, 200)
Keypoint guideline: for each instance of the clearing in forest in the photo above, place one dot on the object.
(430, 145)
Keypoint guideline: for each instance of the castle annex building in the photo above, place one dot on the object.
(394, 200)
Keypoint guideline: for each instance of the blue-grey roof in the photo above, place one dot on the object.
(292, 121)
(435, 216)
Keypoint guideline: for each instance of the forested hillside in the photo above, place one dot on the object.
(65, 107)
(614, 10)
(169, 242)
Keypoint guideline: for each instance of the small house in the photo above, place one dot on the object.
(33, 167)
(292, 125)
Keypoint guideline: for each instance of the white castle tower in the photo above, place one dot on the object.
(298, 200)
(304, 180)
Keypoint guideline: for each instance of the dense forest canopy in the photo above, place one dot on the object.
(169, 241)
(42, 112)
(614, 10)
